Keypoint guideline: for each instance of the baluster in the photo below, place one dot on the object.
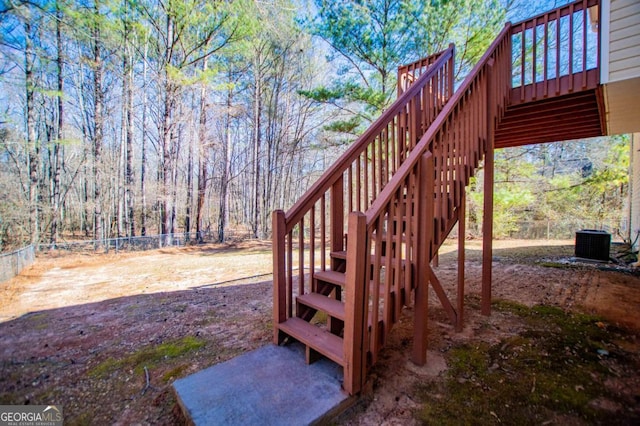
(365, 180)
(388, 253)
(358, 177)
(584, 43)
(300, 257)
(374, 170)
(546, 56)
(350, 186)
(396, 252)
(323, 233)
(571, 15)
(290, 274)
(394, 138)
(381, 167)
(312, 246)
(337, 215)
(523, 60)
(375, 297)
(558, 30)
(534, 59)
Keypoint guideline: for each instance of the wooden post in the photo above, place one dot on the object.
(356, 301)
(487, 218)
(461, 258)
(279, 277)
(425, 212)
(451, 71)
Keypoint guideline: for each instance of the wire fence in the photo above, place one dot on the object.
(542, 229)
(138, 243)
(12, 263)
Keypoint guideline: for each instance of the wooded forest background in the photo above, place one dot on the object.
(124, 117)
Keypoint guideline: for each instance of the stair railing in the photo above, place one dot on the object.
(409, 73)
(315, 225)
(411, 216)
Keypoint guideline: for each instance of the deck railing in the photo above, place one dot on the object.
(556, 53)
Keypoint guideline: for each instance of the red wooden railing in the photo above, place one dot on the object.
(555, 53)
(422, 199)
(304, 236)
(409, 73)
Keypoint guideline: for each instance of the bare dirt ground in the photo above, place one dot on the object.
(106, 335)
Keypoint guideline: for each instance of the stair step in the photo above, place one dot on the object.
(393, 237)
(343, 255)
(332, 277)
(318, 339)
(332, 307)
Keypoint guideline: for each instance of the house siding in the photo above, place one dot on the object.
(634, 190)
(624, 40)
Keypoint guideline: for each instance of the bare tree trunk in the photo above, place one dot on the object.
(33, 154)
(189, 202)
(98, 230)
(143, 155)
(174, 179)
(257, 112)
(203, 162)
(128, 104)
(85, 199)
(57, 147)
(223, 216)
(167, 141)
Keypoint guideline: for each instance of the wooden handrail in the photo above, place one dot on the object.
(387, 193)
(311, 196)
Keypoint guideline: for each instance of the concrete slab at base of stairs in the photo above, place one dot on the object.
(269, 386)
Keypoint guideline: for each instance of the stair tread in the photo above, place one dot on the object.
(343, 255)
(332, 307)
(333, 277)
(320, 340)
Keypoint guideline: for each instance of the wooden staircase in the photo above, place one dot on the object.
(357, 247)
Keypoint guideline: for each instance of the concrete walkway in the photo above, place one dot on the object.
(269, 386)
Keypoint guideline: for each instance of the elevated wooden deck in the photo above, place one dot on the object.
(554, 119)
(556, 93)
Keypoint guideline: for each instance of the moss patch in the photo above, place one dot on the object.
(554, 369)
(174, 373)
(149, 356)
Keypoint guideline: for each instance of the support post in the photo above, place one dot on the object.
(487, 218)
(356, 301)
(461, 258)
(279, 276)
(425, 212)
